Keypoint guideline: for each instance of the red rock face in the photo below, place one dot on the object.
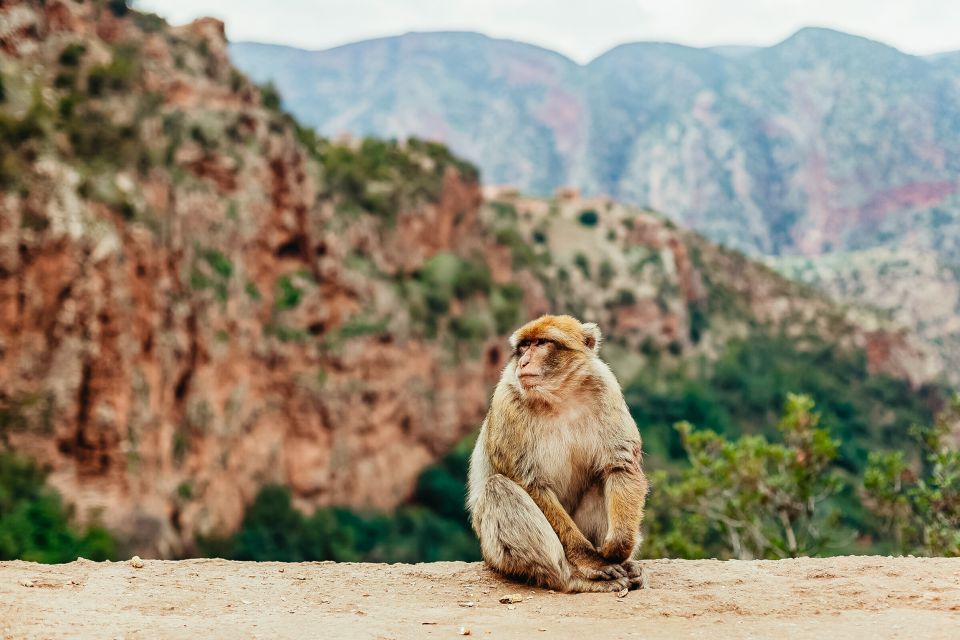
(148, 357)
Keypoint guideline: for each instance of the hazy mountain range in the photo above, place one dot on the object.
(825, 143)
(808, 146)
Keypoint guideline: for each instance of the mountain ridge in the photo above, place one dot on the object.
(731, 49)
(823, 143)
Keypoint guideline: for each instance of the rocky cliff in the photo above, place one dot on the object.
(199, 297)
(189, 309)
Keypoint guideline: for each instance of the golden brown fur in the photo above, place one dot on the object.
(556, 491)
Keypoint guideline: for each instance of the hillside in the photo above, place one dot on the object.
(201, 299)
(823, 143)
(804, 598)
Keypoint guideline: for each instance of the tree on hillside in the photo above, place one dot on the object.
(748, 498)
(921, 509)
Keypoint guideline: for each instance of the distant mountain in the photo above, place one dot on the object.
(804, 147)
(826, 143)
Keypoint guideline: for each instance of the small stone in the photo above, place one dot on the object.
(136, 562)
(463, 631)
(300, 577)
(623, 593)
(511, 598)
(246, 602)
(542, 629)
(26, 583)
(469, 603)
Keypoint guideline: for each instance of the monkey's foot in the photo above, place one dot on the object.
(604, 572)
(579, 584)
(636, 574)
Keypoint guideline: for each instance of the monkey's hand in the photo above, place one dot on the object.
(638, 577)
(592, 567)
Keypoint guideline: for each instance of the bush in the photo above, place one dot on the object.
(118, 76)
(35, 526)
(72, 54)
(749, 498)
(589, 218)
(270, 97)
(506, 302)
(433, 527)
(288, 294)
(921, 508)
(606, 274)
(119, 8)
(581, 262)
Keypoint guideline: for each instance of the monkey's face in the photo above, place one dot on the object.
(547, 371)
(552, 357)
(536, 359)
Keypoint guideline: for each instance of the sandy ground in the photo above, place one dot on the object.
(851, 597)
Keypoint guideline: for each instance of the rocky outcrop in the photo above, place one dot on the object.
(173, 333)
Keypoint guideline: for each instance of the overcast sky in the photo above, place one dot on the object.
(581, 29)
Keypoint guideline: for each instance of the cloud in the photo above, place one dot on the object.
(581, 30)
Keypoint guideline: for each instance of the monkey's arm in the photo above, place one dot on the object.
(579, 551)
(625, 492)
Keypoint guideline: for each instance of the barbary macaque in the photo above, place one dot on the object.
(556, 489)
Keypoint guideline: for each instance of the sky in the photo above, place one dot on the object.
(579, 29)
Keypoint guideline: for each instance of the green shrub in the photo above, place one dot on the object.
(471, 278)
(922, 509)
(118, 76)
(749, 498)
(605, 274)
(625, 298)
(273, 530)
(506, 302)
(360, 326)
(72, 54)
(288, 294)
(504, 211)
(580, 262)
(35, 526)
(468, 328)
(589, 218)
(149, 22)
(270, 97)
(699, 321)
(432, 527)
(522, 254)
(119, 8)
(218, 262)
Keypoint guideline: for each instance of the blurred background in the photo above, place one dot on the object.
(257, 270)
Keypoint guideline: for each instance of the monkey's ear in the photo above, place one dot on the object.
(591, 336)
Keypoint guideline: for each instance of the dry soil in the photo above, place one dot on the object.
(836, 598)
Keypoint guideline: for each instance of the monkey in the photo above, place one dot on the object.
(555, 487)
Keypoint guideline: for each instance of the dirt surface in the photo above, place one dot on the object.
(850, 597)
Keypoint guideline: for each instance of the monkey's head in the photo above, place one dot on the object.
(553, 355)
